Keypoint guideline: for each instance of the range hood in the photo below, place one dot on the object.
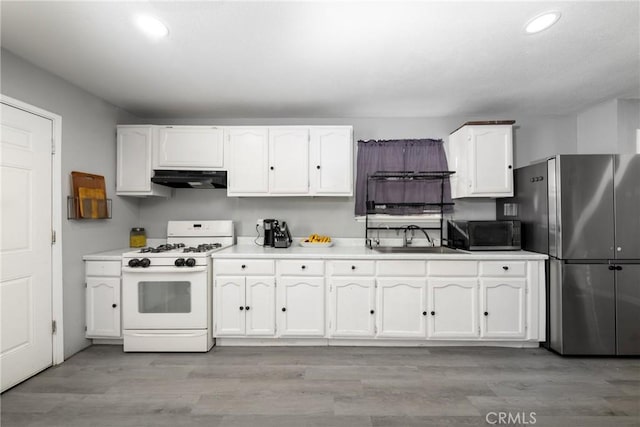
(190, 179)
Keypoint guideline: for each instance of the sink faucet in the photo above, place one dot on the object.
(408, 240)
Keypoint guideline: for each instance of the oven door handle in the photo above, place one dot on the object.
(164, 269)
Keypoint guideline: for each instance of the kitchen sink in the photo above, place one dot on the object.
(418, 250)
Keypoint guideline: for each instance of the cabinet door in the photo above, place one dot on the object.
(301, 306)
(352, 307)
(491, 160)
(260, 306)
(229, 303)
(288, 161)
(189, 147)
(453, 308)
(502, 308)
(134, 159)
(248, 161)
(331, 165)
(402, 307)
(103, 307)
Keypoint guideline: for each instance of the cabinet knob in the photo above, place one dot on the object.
(243, 266)
(114, 305)
(241, 307)
(510, 167)
(486, 313)
(424, 313)
(318, 167)
(284, 309)
(505, 267)
(372, 311)
(247, 308)
(353, 267)
(271, 167)
(303, 267)
(433, 313)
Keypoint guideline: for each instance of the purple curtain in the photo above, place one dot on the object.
(416, 155)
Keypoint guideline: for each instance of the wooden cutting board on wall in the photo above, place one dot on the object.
(90, 194)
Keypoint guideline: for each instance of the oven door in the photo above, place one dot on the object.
(165, 298)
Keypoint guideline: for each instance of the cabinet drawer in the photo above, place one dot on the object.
(503, 268)
(301, 267)
(243, 266)
(453, 268)
(353, 268)
(102, 268)
(402, 268)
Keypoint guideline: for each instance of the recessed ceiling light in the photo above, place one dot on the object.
(542, 22)
(151, 26)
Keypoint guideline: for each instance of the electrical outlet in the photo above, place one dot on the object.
(259, 223)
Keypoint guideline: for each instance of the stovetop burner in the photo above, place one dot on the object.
(162, 248)
(205, 247)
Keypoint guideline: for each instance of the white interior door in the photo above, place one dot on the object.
(25, 245)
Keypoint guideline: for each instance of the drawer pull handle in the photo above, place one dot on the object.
(114, 305)
(505, 268)
(486, 313)
(284, 309)
(241, 308)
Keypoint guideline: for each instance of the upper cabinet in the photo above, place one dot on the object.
(134, 169)
(482, 158)
(290, 161)
(189, 148)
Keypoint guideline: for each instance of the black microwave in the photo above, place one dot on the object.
(484, 235)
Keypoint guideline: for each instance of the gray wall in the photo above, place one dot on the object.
(628, 124)
(88, 145)
(609, 127)
(534, 137)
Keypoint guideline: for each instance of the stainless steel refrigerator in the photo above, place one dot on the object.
(584, 212)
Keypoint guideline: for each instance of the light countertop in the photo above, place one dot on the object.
(361, 252)
(112, 255)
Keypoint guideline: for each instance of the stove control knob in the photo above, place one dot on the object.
(135, 262)
(179, 262)
(145, 262)
(191, 262)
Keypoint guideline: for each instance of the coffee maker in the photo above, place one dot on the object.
(276, 235)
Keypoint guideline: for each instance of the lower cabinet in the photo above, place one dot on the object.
(352, 307)
(103, 312)
(402, 308)
(453, 308)
(502, 306)
(244, 306)
(301, 308)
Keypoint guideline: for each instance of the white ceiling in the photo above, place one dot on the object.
(335, 59)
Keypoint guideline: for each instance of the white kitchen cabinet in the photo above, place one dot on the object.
(134, 162)
(288, 160)
(453, 308)
(248, 169)
(402, 307)
(482, 158)
(244, 306)
(352, 308)
(301, 308)
(189, 148)
(331, 167)
(502, 306)
(103, 311)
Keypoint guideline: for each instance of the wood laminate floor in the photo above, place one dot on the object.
(328, 386)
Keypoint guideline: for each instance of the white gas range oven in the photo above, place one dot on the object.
(167, 290)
